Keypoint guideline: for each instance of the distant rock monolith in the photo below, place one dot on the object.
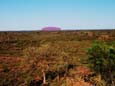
(51, 29)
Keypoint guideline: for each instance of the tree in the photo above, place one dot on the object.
(36, 57)
(41, 59)
(102, 61)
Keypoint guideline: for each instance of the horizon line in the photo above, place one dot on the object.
(56, 30)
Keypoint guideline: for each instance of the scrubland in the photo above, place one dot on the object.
(62, 58)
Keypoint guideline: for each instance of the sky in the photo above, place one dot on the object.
(67, 14)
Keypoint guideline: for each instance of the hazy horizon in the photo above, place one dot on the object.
(17, 15)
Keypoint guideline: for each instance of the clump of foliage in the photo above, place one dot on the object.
(48, 59)
(102, 61)
(37, 61)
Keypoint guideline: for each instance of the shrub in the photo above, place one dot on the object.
(102, 61)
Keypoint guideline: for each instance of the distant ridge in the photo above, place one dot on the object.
(51, 29)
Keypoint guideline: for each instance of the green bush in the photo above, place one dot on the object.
(5, 68)
(102, 61)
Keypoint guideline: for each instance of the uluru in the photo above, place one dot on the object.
(51, 29)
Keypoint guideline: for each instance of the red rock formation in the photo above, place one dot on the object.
(51, 29)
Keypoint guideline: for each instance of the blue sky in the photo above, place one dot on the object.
(67, 14)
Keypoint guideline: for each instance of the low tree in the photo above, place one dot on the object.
(102, 61)
(36, 58)
(41, 59)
